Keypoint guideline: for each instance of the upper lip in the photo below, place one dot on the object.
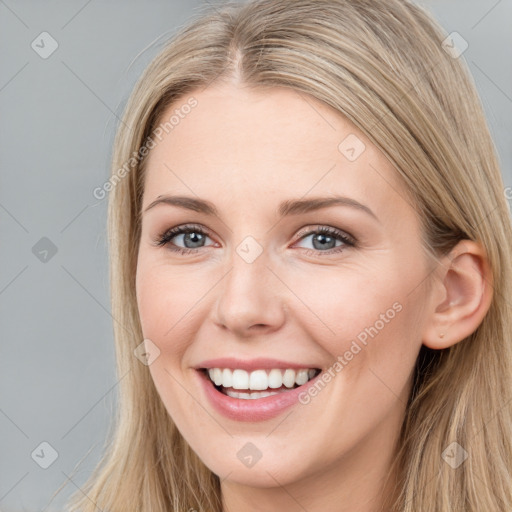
(260, 363)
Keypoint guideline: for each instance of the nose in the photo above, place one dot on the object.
(250, 298)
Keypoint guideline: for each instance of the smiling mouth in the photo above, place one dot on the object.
(238, 383)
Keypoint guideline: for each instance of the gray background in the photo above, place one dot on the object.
(57, 123)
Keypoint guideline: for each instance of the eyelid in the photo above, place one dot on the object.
(315, 228)
(347, 240)
(162, 238)
(308, 230)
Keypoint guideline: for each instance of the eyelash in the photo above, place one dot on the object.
(164, 238)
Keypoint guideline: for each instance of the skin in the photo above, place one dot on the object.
(246, 150)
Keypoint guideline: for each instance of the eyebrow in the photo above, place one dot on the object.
(288, 207)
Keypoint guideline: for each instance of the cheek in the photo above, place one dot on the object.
(367, 321)
(167, 301)
(368, 324)
(168, 310)
(346, 304)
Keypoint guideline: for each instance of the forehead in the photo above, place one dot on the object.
(268, 144)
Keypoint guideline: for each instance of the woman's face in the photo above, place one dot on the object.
(265, 287)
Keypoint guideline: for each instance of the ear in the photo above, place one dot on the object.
(461, 296)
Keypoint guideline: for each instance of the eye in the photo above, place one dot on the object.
(192, 236)
(325, 238)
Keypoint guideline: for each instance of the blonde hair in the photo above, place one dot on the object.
(380, 64)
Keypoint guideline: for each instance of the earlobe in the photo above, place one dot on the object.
(461, 297)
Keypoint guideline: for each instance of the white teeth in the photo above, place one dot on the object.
(217, 376)
(240, 380)
(250, 396)
(289, 378)
(275, 379)
(227, 378)
(301, 377)
(259, 380)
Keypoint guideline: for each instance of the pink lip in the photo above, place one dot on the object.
(260, 363)
(259, 409)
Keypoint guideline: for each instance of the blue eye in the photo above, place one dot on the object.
(190, 234)
(324, 239)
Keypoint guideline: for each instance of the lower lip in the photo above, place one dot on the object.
(258, 409)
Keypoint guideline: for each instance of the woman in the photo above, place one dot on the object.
(311, 274)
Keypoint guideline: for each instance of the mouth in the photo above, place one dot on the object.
(245, 385)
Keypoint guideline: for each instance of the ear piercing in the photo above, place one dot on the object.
(441, 335)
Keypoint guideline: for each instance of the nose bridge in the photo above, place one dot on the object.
(248, 295)
(249, 269)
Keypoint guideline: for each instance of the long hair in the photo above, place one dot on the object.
(382, 65)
